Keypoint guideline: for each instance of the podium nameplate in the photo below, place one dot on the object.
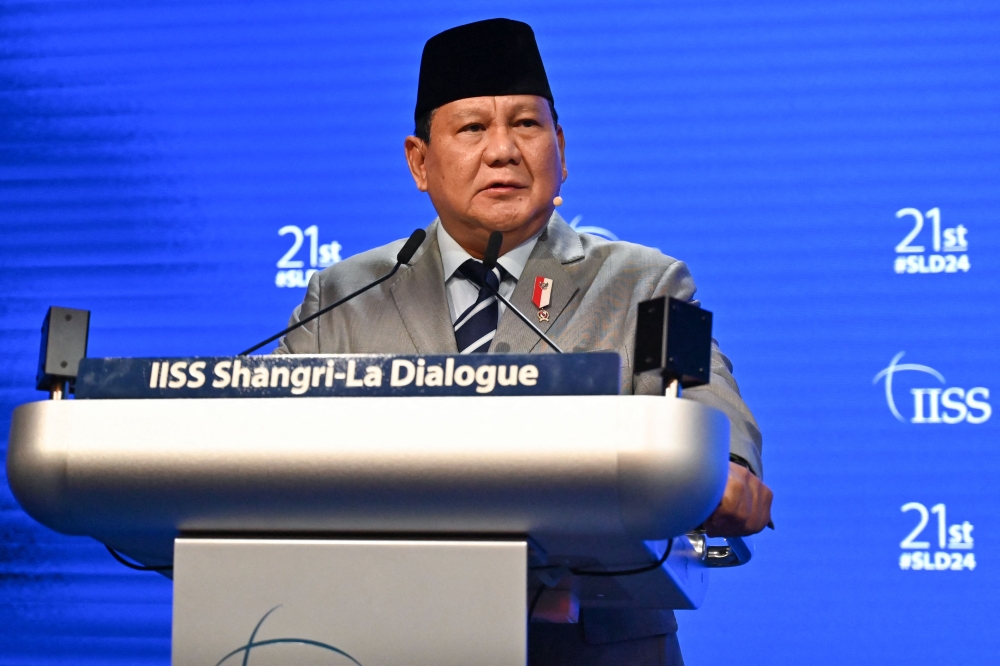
(354, 375)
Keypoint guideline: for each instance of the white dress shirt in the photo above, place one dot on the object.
(462, 294)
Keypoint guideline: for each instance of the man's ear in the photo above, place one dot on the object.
(416, 156)
(562, 150)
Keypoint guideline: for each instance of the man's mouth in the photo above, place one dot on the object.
(502, 186)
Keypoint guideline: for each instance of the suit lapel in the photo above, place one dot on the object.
(421, 300)
(558, 245)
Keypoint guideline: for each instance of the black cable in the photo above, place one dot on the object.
(629, 572)
(534, 600)
(132, 565)
(581, 572)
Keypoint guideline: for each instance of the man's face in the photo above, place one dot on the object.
(492, 164)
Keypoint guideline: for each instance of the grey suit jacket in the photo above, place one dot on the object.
(596, 288)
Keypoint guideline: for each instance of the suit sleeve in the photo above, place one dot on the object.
(303, 340)
(722, 392)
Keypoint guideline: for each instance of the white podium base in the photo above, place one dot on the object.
(330, 602)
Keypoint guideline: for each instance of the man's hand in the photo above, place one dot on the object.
(745, 508)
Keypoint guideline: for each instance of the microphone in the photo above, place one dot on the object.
(403, 257)
(489, 262)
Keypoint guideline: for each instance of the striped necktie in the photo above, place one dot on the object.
(475, 328)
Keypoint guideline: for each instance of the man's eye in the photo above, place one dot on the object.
(528, 122)
(473, 127)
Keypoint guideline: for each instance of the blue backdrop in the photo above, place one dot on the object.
(828, 170)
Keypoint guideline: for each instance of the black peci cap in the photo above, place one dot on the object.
(485, 58)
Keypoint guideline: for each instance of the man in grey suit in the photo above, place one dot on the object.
(489, 152)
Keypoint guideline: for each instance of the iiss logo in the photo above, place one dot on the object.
(330, 651)
(590, 229)
(936, 404)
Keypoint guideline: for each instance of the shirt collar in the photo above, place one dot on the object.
(454, 255)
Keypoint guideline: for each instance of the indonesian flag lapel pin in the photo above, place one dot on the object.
(541, 296)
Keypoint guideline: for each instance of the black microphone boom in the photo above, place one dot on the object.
(493, 246)
(409, 248)
(489, 262)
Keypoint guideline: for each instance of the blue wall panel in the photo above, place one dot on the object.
(151, 152)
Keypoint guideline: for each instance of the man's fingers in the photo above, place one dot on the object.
(745, 507)
(754, 486)
(743, 489)
(762, 507)
(733, 496)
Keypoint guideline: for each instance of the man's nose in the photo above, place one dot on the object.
(501, 148)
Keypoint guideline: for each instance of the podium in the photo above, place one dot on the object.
(384, 530)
